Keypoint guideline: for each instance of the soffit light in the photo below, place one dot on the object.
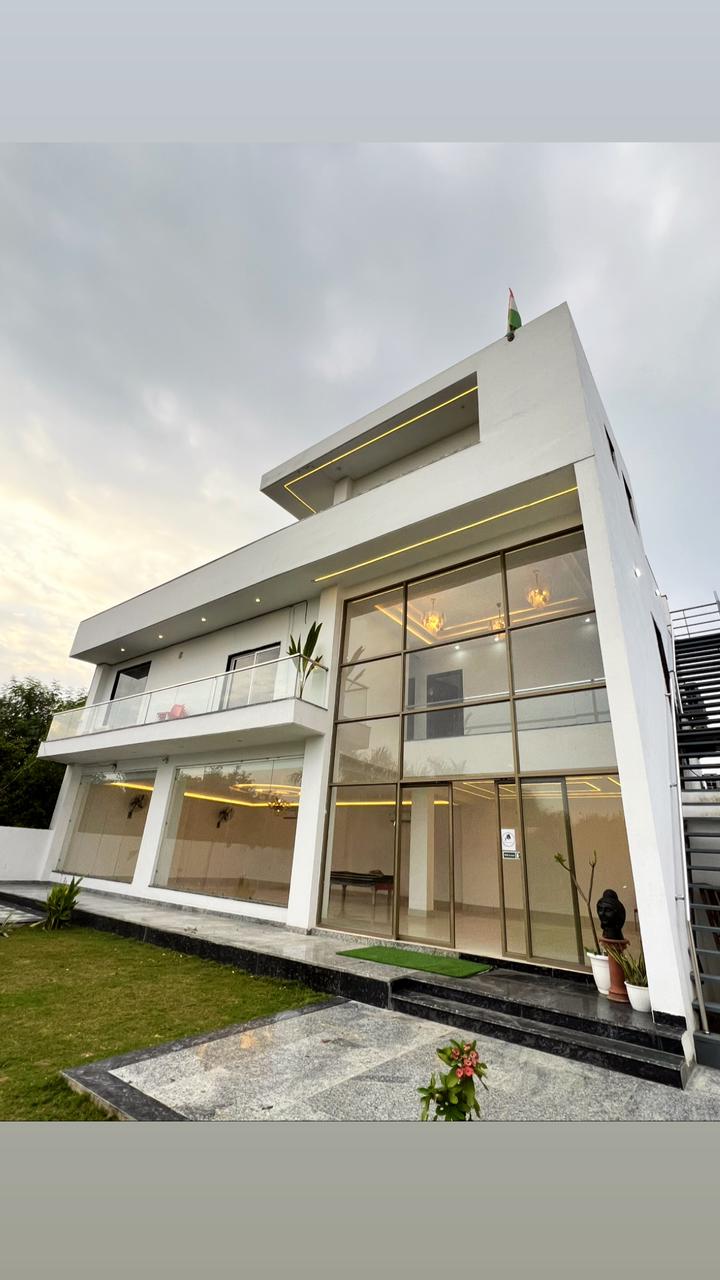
(538, 596)
(434, 620)
(450, 533)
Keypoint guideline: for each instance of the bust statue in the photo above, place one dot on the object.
(611, 914)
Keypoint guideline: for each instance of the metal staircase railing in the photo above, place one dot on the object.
(676, 709)
(698, 620)
(695, 695)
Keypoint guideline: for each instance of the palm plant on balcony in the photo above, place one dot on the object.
(305, 651)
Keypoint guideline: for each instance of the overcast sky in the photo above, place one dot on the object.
(175, 321)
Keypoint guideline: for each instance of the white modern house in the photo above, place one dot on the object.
(490, 689)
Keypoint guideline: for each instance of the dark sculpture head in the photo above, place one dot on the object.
(611, 914)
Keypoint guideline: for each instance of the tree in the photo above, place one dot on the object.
(28, 786)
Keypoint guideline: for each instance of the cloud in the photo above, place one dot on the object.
(177, 320)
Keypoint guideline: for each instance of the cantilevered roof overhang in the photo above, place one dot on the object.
(434, 411)
(533, 427)
(347, 545)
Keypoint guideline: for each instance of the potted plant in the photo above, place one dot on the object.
(597, 958)
(635, 975)
(305, 651)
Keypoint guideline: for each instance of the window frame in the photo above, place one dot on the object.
(241, 653)
(124, 671)
(516, 773)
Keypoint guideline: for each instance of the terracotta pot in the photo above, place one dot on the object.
(617, 990)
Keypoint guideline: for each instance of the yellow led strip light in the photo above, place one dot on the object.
(356, 448)
(437, 537)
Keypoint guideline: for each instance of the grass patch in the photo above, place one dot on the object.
(448, 966)
(72, 997)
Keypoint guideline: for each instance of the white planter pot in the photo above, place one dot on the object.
(601, 972)
(639, 997)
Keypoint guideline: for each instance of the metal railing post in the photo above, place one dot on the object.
(674, 707)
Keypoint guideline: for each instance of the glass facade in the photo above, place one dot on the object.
(230, 830)
(468, 701)
(107, 826)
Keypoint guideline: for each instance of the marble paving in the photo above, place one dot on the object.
(347, 1061)
(214, 927)
(13, 917)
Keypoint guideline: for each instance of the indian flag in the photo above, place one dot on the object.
(514, 321)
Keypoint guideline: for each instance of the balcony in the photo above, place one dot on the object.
(268, 702)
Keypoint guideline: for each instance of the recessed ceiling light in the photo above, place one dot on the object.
(587, 619)
(637, 572)
(203, 619)
(161, 637)
(257, 600)
(122, 650)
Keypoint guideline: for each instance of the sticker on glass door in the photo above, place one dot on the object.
(508, 841)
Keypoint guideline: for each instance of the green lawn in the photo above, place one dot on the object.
(70, 997)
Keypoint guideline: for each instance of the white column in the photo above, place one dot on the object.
(154, 827)
(62, 817)
(640, 723)
(307, 856)
(421, 865)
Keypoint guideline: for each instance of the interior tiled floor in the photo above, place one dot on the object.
(351, 1062)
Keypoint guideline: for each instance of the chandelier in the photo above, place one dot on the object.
(538, 596)
(434, 620)
(276, 803)
(498, 623)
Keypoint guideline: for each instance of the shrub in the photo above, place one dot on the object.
(61, 902)
(8, 924)
(453, 1093)
(634, 971)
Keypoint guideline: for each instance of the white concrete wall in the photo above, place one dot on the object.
(626, 605)
(207, 655)
(23, 851)
(413, 461)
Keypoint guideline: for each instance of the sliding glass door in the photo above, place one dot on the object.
(425, 881)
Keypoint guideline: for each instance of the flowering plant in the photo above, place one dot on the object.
(453, 1093)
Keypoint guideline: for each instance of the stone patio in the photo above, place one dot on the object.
(347, 1061)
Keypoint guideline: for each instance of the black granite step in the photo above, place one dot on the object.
(565, 1042)
(553, 1005)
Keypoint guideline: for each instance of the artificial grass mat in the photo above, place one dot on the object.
(448, 966)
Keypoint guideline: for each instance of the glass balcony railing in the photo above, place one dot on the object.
(288, 677)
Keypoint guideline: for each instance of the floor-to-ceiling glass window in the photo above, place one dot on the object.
(230, 830)
(477, 885)
(424, 894)
(107, 826)
(468, 701)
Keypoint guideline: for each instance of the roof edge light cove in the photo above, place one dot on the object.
(449, 533)
(290, 486)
